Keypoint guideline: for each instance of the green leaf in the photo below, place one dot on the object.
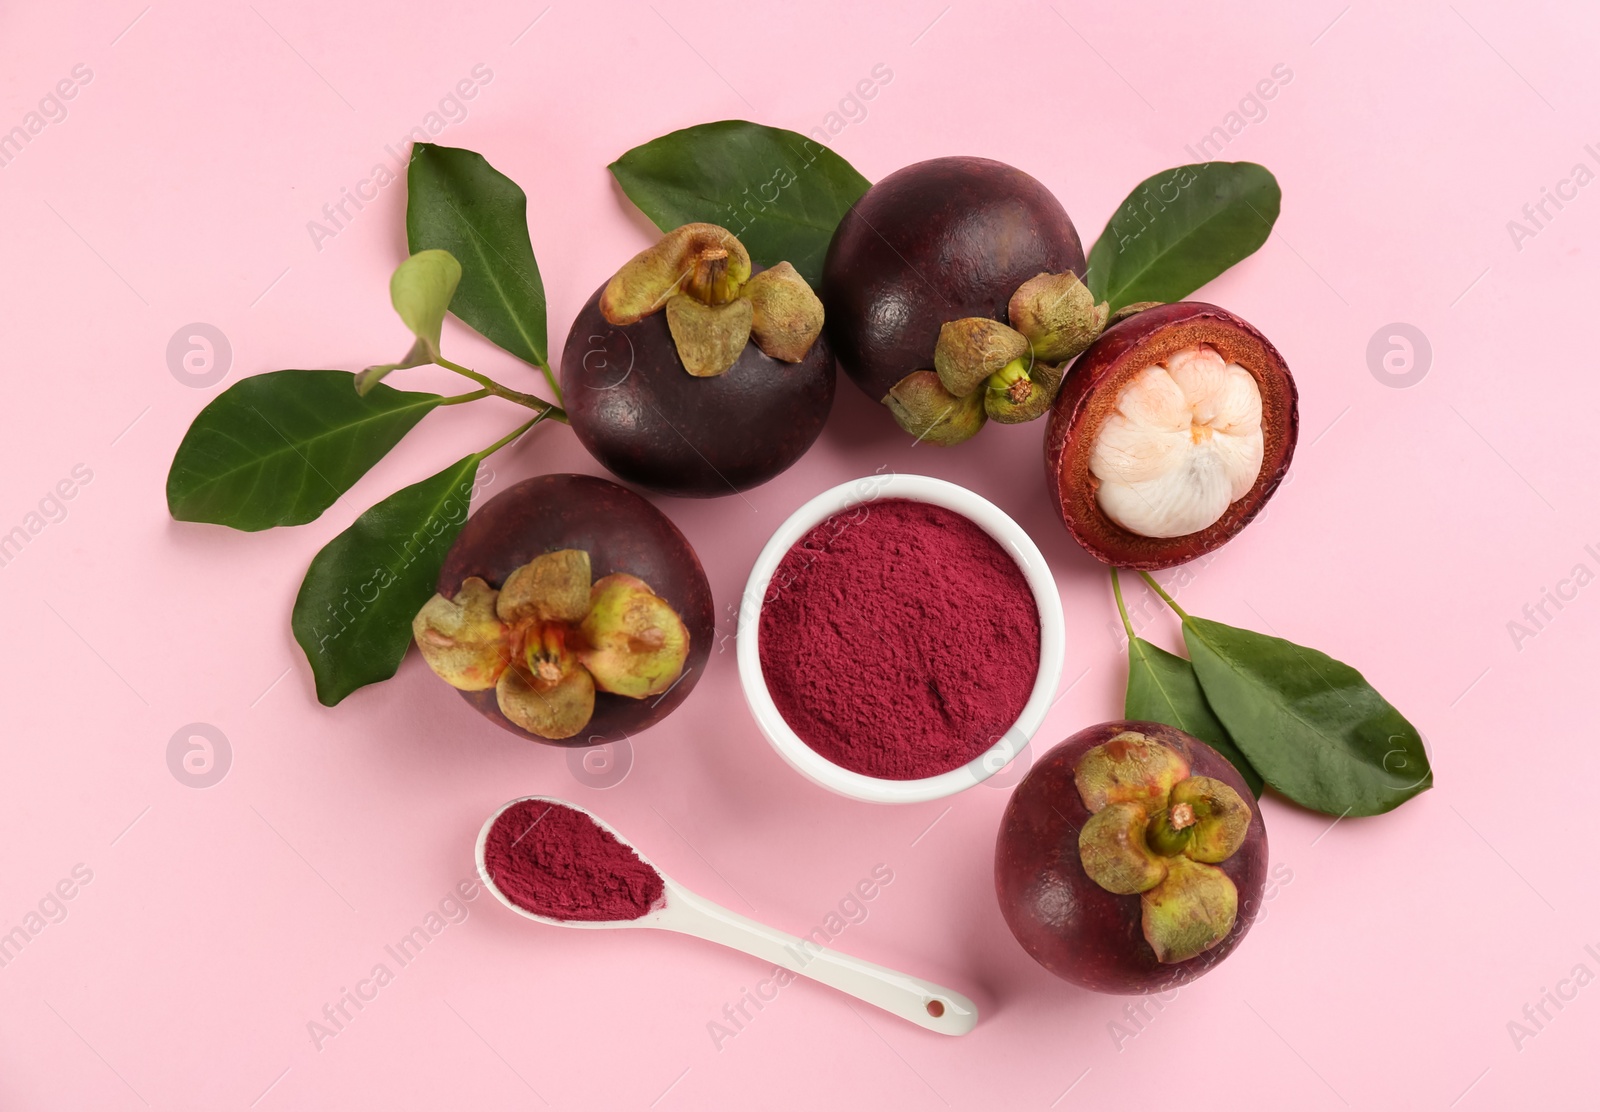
(420, 289)
(1163, 688)
(353, 614)
(1180, 229)
(279, 448)
(780, 193)
(460, 204)
(1313, 727)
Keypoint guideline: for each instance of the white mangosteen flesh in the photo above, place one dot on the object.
(1182, 445)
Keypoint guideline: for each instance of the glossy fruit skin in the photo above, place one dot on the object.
(1089, 391)
(650, 422)
(931, 243)
(621, 532)
(1068, 923)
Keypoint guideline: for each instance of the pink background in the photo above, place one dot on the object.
(218, 922)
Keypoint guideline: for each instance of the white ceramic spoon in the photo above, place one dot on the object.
(923, 1003)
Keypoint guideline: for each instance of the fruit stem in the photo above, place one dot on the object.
(1116, 589)
(1014, 381)
(707, 278)
(549, 409)
(515, 433)
(1168, 832)
(1156, 587)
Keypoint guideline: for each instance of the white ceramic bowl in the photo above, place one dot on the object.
(994, 521)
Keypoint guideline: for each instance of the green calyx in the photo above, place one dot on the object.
(929, 412)
(1133, 310)
(1157, 832)
(974, 349)
(1058, 315)
(701, 275)
(1189, 912)
(550, 638)
(986, 369)
(1116, 851)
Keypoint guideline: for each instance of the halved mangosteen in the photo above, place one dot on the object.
(1169, 434)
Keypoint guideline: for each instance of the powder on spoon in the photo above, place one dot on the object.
(556, 861)
(899, 639)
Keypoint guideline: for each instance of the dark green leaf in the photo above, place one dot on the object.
(1162, 688)
(1314, 729)
(353, 614)
(279, 448)
(1180, 229)
(461, 204)
(781, 193)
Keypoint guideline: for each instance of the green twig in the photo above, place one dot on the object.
(515, 433)
(1156, 587)
(1116, 589)
(555, 387)
(457, 399)
(549, 409)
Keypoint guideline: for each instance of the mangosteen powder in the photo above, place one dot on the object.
(556, 861)
(899, 639)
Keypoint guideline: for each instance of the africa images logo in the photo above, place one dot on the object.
(451, 110)
(51, 510)
(52, 109)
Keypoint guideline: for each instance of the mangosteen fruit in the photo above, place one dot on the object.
(1169, 434)
(569, 611)
(1131, 858)
(693, 373)
(954, 295)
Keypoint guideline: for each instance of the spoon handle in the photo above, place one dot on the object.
(922, 1002)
